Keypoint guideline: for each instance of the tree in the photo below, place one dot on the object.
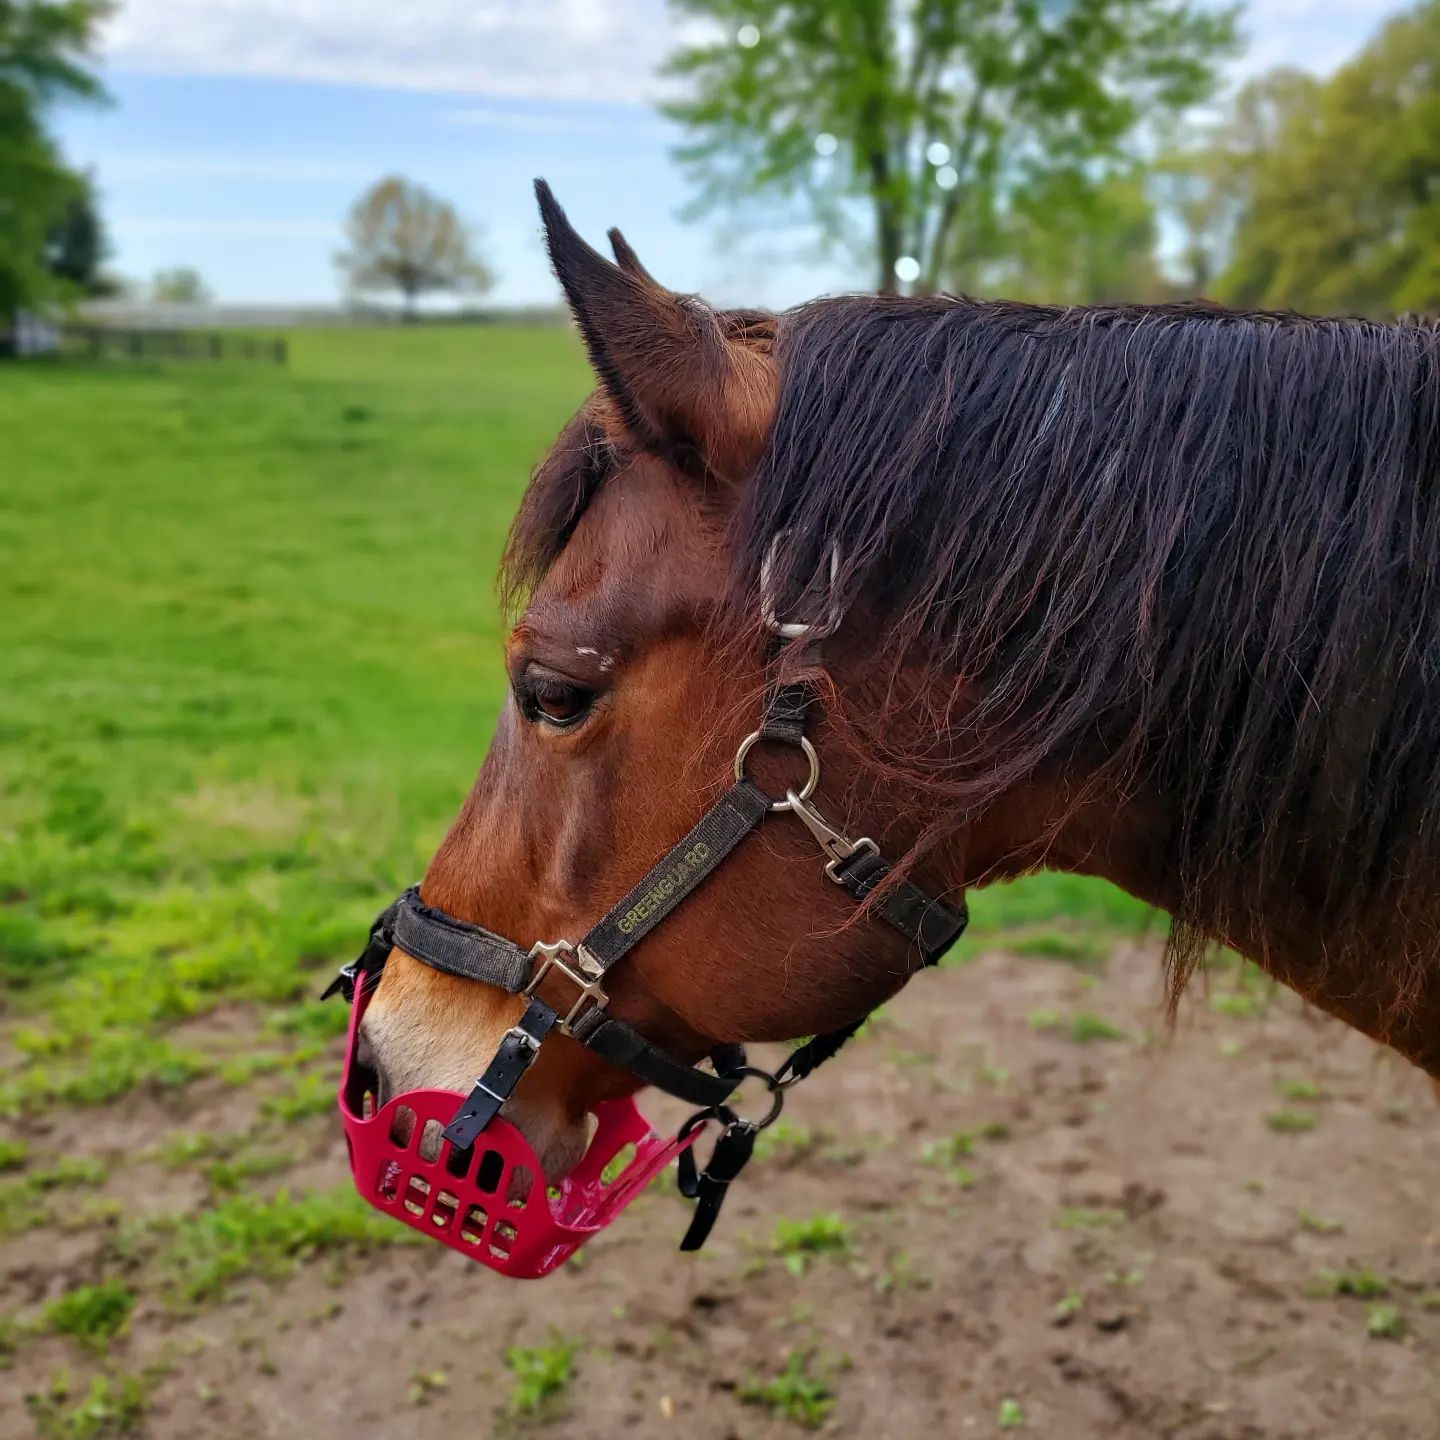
(1073, 241)
(403, 238)
(1208, 188)
(1343, 207)
(44, 50)
(181, 285)
(940, 117)
(76, 245)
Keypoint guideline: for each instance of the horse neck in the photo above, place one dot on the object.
(1388, 988)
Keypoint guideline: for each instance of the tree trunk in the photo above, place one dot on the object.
(887, 246)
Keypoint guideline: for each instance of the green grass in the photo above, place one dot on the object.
(799, 1242)
(207, 1253)
(92, 1314)
(542, 1375)
(251, 662)
(114, 1405)
(800, 1392)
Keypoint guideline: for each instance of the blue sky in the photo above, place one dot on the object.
(243, 129)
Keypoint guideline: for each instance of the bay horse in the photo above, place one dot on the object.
(1149, 593)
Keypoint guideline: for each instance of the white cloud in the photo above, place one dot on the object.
(588, 50)
(521, 49)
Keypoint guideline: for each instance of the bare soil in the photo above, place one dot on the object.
(1130, 1249)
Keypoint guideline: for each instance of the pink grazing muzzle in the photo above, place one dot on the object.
(490, 1201)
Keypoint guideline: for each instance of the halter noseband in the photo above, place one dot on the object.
(470, 951)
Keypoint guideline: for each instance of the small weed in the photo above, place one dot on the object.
(1430, 1302)
(310, 1095)
(23, 1202)
(1302, 1090)
(786, 1136)
(1361, 1284)
(1045, 1020)
(997, 1077)
(425, 1385)
(183, 1148)
(901, 1274)
(995, 1130)
(1291, 1122)
(93, 1314)
(13, 1154)
(114, 1406)
(1011, 1416)
(1068, 1307)
(1239, 1005)
(1384, 1322)
(1081, 1217)
(1086, 1028)
(796, 1393)
(249, 1234)
(947, 1154)
(226, 1176)
(1318, 1224)
(800, 1241)
(542, 1375)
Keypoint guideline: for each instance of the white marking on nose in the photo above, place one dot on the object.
(585, 650)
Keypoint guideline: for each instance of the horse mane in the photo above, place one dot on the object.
(1176, 549)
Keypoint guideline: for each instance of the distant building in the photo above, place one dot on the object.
(30, 334)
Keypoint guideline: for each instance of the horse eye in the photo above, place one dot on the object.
(555, 702)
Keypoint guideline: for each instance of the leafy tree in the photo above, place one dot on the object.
(77, 248)
(1343, 209)
(405, 239)
(1208, 189)
(940, 118)
(44, 52)
(1075, 242)
(181, 285)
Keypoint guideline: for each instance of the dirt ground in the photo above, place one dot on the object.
(1132, 1237)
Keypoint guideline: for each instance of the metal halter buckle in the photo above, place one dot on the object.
(830, 616)
(812, 761)
(837, 846)
(586, 976)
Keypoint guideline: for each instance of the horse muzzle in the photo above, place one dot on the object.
(489, 1200)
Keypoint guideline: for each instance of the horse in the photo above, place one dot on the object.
(1147, 593)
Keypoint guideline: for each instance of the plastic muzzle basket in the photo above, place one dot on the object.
(490, 1202)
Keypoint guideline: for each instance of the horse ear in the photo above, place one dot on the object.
(683, 388)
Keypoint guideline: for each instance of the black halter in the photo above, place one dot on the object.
(474, 953)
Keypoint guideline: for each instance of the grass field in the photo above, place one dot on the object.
(250, 664)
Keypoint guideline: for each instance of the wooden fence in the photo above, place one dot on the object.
(99, 341)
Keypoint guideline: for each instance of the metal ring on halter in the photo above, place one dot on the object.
(811, 758)
(777, 1095)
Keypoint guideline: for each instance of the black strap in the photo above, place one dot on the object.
(456, 946)
(623, 1045)
(693, 859)
(933, 925)
(816, 1051)
(516, 1054)
(785, 710)
(709, 1187)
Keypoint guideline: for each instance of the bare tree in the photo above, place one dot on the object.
(405, 239)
